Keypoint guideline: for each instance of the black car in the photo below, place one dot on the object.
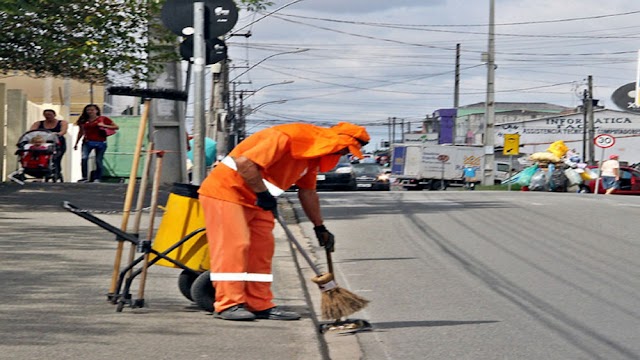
(341, 177)
(371, 176)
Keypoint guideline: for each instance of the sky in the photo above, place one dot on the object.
(366, 61)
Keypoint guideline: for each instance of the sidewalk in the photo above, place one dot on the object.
(56, 268)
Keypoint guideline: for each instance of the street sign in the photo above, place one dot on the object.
(624, 97)
(220, 16)
(443, 157)
(511, 144)
(604, 141)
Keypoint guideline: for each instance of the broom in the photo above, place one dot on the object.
(336, 302)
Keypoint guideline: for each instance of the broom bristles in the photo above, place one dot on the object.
(338, 303)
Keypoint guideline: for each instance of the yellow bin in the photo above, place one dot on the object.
(183, 214)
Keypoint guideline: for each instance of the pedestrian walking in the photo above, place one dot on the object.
(94, 138)
(610, 173)
(238, 199)
(59, 127)
(469, 175)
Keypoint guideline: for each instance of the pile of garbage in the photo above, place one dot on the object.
(557, 169)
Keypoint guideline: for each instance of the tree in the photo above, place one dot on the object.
(86, 40)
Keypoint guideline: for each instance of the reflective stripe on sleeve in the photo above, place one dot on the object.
(274, 190)
(241, 277)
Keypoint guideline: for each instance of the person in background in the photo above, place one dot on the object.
(610, 173)
(469, 175)
(59, 127)
(91, 123)
(238, 200)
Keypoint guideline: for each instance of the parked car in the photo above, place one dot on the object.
(629, 182)
(371, 176)
(341, 177)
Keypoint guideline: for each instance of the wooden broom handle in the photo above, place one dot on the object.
(329, 261)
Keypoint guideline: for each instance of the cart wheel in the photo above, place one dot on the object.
(185, 280)
(202, 292)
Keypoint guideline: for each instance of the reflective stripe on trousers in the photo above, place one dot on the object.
(241, 277)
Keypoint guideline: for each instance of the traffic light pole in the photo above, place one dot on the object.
(199, 125)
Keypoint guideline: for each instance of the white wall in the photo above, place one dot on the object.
(538, 134)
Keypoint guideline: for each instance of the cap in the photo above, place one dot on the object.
(613, 156)
(358, 134)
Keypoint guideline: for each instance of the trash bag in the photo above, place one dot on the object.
(573, 176)
(544, 156)
(588, 174)
(558, 181)
(539, 182)
(558, 148)
(525, 175)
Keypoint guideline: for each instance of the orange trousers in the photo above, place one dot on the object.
(241, 245)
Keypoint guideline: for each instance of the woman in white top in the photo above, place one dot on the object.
(610, 173)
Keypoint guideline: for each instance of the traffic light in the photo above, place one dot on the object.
(220, 17)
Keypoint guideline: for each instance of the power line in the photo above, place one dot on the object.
(469, 33)
(462, 25)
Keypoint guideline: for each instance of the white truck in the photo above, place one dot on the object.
(433, 167)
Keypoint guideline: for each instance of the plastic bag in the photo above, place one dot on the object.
(573, 176)
(544, 156)
(588, 174)
(539, 181)
(525, 175)
(558, 148)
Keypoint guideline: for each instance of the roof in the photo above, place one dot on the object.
(502, 107)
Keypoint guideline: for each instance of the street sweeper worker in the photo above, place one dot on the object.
(238, 198)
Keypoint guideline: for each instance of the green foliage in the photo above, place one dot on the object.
(87, 39)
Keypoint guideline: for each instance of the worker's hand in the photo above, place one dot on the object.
(325, 238)
(267, 201)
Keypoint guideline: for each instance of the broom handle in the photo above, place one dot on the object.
(129, 195)
(297, 244)
(329, 261)
(140, 203)
(152, 215)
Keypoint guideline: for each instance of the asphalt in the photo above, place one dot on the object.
(55, 271)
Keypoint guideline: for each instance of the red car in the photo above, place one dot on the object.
(629, 182)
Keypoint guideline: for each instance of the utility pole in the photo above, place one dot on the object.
(456, 87)
(456, 94)
(242, 131)
(217, 129)
(585, 100)
(591, 123)
(393, 131)
(198, 172)
(489, 157)
(389, 129)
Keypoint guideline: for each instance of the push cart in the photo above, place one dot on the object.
(183, 220)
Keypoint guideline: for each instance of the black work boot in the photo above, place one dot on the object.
(236, 313)
(276, 313)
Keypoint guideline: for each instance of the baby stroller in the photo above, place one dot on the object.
(37, 153)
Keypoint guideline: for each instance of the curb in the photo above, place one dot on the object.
(335, 346)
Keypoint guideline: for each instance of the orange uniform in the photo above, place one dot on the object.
(239, 233)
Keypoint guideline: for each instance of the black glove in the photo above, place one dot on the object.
(267, 201)
(325, 238)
